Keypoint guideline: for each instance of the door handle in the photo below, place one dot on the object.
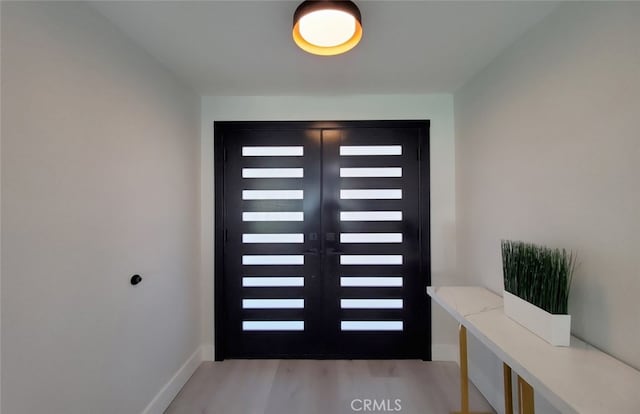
(333, 252)
(312, 251)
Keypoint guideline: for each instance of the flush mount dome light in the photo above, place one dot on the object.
(327, 28)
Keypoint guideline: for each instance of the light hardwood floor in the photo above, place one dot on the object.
(323, 387)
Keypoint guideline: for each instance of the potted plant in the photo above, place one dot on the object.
(537, 281)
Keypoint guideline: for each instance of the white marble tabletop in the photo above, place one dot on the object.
(575, 379)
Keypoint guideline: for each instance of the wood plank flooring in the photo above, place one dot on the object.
(323, 387)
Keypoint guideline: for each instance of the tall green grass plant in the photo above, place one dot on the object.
(538, 274)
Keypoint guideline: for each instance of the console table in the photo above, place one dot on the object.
(576, 379)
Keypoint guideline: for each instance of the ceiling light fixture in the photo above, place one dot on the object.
(326, 27)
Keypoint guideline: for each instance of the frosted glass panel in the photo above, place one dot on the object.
(371, 281)
(371, 216)
(273, 238)
(371, 259)
(272, 194)
(273, 216)
(370, 194)
(370, 237)
(272, 281)
(371, 325)
(347, 150)
(273, 259)
(272, 172)
(272, 303)
(371, 303)
(371, 172)
(292, 151)
(273, 325)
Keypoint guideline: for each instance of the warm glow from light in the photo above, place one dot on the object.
(327, 28)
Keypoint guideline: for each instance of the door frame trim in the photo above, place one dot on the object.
(219, 157)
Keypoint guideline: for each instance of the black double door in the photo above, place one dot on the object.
(322, 239)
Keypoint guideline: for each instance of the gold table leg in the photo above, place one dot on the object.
(464, 375)
(525, 397)
(508, 396)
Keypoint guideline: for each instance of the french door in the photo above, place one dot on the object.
(322, 240)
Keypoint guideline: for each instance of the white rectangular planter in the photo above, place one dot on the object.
(555, 329)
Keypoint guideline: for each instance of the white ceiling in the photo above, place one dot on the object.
(245, 47)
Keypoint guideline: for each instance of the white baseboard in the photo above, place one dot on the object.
(489, 384)
(444, 352)
(162, 400)
(439, 352)
(208, 352)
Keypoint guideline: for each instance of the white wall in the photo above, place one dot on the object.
(437, 108)
(0, 217)
(548, 151)
(99, 181)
